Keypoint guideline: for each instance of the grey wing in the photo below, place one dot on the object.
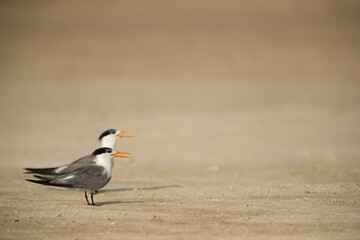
(89, 177)
(81, 162)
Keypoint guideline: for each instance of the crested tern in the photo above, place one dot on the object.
(89, 177)
(108, 139)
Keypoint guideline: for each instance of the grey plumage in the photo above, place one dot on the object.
(66, 168)
(91, 177)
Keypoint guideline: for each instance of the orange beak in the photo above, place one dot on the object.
(123, 132)
(117, 154)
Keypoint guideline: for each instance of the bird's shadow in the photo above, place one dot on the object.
(139, 189)
(116, 202)
(124, 190)
(132, 189)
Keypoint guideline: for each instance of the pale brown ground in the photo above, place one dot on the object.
(247, 118)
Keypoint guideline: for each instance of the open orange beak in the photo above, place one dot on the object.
(117, 154)
(123, 132)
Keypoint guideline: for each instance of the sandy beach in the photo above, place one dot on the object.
(246, 115)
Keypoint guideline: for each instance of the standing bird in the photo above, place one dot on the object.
(89, 177)
(108, 139)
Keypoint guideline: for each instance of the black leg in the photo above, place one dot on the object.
(87, 198)
(92, 198)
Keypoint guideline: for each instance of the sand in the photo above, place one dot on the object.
(247, 118)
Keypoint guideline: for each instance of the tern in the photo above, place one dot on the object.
(89, 177)
(108, 139)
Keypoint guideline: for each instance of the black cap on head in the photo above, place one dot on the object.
(102, 150)
(107, 132)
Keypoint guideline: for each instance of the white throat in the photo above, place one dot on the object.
(105, 161)
(108, 141)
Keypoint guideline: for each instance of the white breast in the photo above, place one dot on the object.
(105, 162)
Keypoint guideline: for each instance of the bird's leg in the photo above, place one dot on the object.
(87, 198)
(92, 198)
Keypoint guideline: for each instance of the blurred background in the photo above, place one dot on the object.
(206, 84)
